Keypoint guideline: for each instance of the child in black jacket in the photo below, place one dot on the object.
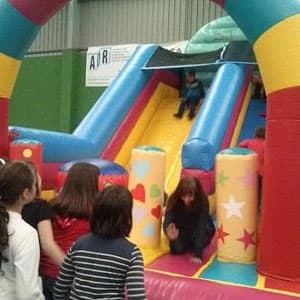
(187, 224)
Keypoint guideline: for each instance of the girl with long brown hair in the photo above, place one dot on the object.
(187, 224)
(72, 209)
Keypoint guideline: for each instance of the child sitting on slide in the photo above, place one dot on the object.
(194, 92)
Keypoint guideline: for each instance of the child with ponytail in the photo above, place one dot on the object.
(19, 244)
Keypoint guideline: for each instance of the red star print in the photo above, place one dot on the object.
(247, 239)
(222, 234)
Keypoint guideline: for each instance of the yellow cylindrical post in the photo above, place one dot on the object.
(146, 183)
(236, 197)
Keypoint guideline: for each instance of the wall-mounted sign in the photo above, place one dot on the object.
(104, 62)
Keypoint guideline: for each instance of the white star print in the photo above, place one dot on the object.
(233, 208)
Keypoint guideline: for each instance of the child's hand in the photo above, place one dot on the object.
(196, 260)
(172, 232)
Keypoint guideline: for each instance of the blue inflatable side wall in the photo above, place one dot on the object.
(98, 126)
(208, 131)
(58, 146)
(103, 119)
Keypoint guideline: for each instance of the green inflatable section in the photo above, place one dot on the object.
(210, 37)
(215, 35)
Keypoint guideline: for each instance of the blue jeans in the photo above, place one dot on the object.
(191, 103)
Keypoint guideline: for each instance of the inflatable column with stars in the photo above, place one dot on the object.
(146, 183)
(236, 197)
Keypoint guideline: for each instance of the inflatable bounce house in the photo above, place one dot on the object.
(140, 134)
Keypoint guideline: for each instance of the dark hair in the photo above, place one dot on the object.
(112, 212)
(78, 193)
(34, 170)
(260, 132)
(192, 72)
(15, 177)
(189, 185)
(4, 218)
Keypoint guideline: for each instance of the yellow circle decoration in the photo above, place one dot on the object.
(27, 153)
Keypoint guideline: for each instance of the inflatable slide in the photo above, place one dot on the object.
(137, 109)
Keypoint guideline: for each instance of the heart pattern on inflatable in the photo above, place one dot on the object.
(148, 230)
(139, 213)
(154, 191)
(141, 168)
(138, 193)
(156, 211)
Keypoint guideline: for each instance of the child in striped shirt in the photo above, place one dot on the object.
(102, 263)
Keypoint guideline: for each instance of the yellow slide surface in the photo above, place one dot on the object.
(158, 127)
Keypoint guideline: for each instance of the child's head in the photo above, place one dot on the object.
(188, 193)
(191, 75)
(256, 78)
(78, 193)
(112, 212)
(260, 132)
(17, 181)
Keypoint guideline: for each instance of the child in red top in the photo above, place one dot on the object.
(257, 144)
(72, 209)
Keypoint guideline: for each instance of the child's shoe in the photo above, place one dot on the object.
(177, 115)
